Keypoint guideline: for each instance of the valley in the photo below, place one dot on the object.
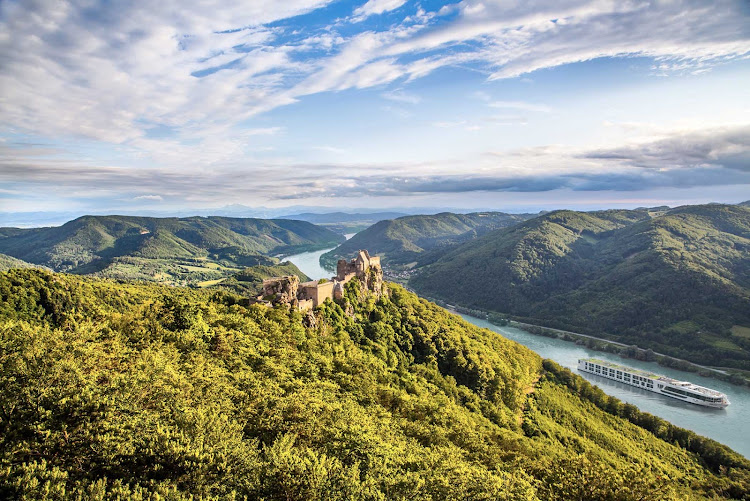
(728, 426)
(406, 333)
(196, 251)
(334, 408)
(677, 282)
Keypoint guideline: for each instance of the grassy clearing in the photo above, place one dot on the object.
(197, 268)
(740, 331)
(208, 283)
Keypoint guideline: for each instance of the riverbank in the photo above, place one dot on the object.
(633, 352)
(729, 426)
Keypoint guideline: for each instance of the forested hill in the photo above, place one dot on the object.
(151, 248)
(8, 263)
(401, 241)
(678, 282)
(118, 391)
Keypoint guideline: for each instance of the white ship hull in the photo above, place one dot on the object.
(680, 390)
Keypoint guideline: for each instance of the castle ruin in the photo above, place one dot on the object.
(308, 295)
(365, 267)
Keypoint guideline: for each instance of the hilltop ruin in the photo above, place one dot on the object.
(308, 295)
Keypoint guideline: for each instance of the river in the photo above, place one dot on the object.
(309, 262)
(730, 426)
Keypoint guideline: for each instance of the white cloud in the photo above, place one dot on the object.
(374, 7)
(109, 72)
(330, 149)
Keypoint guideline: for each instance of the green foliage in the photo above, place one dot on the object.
(675, 282)
(403, 240)
(134, 391)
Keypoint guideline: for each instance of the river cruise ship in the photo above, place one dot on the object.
(681, 390)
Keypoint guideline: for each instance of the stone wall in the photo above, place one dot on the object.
(288, 290)
(317, 292)
(365, 267)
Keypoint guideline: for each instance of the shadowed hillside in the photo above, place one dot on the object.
(676, 282)
(112, 390)
(401, 241)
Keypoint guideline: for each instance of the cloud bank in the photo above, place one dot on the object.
(180, 90)
(715, 157)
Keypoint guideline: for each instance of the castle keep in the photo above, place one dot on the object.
(308, 295)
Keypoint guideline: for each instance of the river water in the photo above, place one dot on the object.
(309, 262)
(730, 426)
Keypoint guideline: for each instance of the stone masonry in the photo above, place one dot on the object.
(288, 290)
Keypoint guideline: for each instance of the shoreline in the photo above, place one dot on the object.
(633, 352)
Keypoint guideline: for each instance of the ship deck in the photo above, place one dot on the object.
(657, 377)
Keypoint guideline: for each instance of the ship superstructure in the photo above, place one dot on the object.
(681, 390)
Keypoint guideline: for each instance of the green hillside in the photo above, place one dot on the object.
(125, 391)
(676, 282)
(172, 250)
(401, 241)
(8, 263)
(249, 281)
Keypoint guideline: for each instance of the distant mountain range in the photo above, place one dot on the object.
(163, 249)
(343, 217)
(57, 218)
(345, 222)
(401, 241)
(328, 215)
(675, 280)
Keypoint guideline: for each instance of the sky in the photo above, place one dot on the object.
(513, 105)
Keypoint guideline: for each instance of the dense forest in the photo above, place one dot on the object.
(179, 251)
(401, 241)
(675, 281)
(113, 390)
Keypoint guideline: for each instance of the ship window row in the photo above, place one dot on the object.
(647, 382)
(638, 380)
(691, 395)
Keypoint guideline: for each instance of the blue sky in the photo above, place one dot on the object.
(513, 105)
